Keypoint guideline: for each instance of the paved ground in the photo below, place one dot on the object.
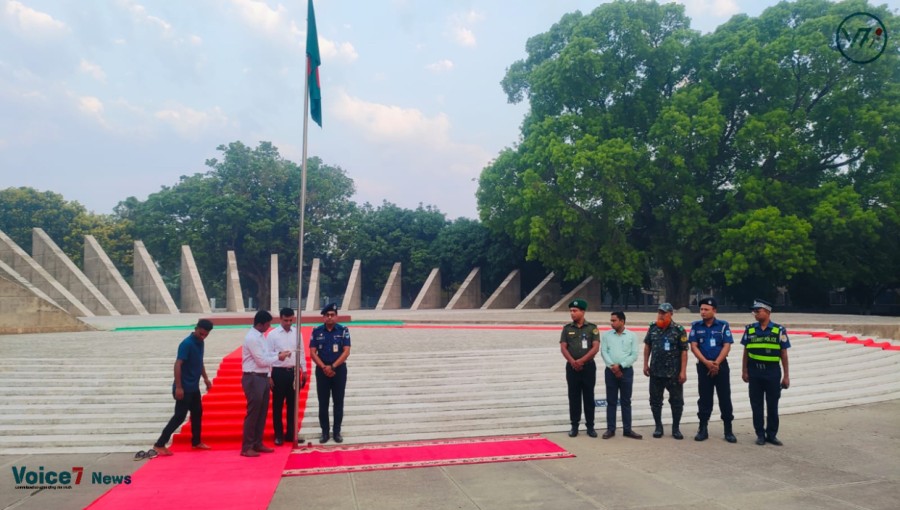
(839, 458)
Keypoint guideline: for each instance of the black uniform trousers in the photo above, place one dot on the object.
(765, 386)
(581, 390)
(283, 392)
(721, 383)
(618, 390)
(190, 402)
(327, 388)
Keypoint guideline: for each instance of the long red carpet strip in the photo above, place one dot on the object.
(219, 478)
(318, 460)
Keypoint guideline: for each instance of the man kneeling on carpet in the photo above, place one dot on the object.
(257, 361)
(189, 369)
(329, 348)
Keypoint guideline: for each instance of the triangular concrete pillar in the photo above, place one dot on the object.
(234, 297)
(193, 295)
(101, 271)
(274, 291)
(353, 295)
(26, 309)
(507, 295)
(312, 296)
(392, 293)
(148, 283)
(49, 255)
(469, 293)
(543, 296)
(429, 297)
(28, 268)
(589, 290)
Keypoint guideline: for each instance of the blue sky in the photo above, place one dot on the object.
(102, 100)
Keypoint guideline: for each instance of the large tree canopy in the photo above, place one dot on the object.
(756, 153)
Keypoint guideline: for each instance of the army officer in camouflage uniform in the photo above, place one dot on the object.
(665, 362)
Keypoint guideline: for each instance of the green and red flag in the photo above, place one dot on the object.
(313, 61)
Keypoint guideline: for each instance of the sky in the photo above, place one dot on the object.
(106, 99)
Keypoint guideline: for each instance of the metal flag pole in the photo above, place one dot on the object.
(299, 363)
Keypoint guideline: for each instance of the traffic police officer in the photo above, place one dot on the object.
(329, 347)
(711, 341)
(765, 353)
(666, 341)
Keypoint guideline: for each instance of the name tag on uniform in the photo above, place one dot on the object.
(666, 346)
(712, 342)
(583, 343)
(334, 348)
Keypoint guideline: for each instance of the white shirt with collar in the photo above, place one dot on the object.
(281, 340)
(256, 355)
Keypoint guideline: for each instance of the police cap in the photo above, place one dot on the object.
(711, 301)
(330, 307)
(761, 303)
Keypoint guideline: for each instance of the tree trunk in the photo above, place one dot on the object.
(678, 287)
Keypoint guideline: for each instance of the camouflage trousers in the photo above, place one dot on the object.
(670, 384)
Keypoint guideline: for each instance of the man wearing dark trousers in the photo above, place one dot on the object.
(579, 343)
(282, 381)
(329, 348)
(256, 360)
(766, 347)
(189, 369)
(619, 350)
(711, 341)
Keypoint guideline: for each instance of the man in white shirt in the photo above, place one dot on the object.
(282, 380)
(257, 359)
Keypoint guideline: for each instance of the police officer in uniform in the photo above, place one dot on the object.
(710, 341)
(765, 353)
(329, 348)
(579, 343)
(666, 344)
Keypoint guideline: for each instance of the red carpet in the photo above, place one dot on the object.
(219, 478)
(319, 460)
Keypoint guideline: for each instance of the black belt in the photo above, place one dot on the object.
(282, 368)
(256, 373)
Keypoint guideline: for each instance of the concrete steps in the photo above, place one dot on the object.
(405, 384)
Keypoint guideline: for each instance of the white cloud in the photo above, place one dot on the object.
(93, 70)
(260, 16)
(92, 107)
(191, 123)
(718, 8)
(140, 14)
(440, 66)
(461, 27)
(30, 21)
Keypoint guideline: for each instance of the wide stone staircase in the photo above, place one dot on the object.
(109, 391)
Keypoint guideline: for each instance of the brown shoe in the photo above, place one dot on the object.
(201, 446)
(263, 449)
(632, 434)
(249, 453)
(608, 434)
(163, 451)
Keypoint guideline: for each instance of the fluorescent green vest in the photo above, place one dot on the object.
(764, 346)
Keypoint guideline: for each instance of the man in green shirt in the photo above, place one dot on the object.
(579, 343)
(619, 349)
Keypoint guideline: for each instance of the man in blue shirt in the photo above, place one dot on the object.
(189, 369)
(711, 341)
(765, 353)
(329, 348)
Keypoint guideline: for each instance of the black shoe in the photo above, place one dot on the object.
(676, 433)
(730, 438)
(702, 434)
(279, 442)
(609, 433)
(774, 440)
(658, 432)
(324, 438)
(591, 432)
(573, 432)
(760, 440)
(632, 434)
(338, 438)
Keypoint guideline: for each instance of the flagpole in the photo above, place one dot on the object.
(299, 363)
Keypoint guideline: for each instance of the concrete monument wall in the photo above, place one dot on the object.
(507, 295)
(543, 296)
(469, 293)
(149, 285)
(193, 295)
(103, 274)
(429, 297)
(28, 268)
(26, 309)
(312, 296)
(392, 293)
(353, 295)
(274, 291)
(49, 255)
(234, 297)
(589, 290)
